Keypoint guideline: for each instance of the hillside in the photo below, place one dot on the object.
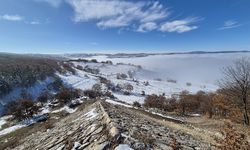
(101, 103)
(102, 125)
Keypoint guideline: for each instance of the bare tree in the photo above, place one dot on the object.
(236, 84)
(97, 87)
(128, 88)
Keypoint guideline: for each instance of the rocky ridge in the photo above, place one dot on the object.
(106, 126)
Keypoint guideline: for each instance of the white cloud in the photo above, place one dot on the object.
(54, 3)
(179, 26)
(142, 16)
(149, 26)
(229, 24)
(11, 17)
(117, 13)
(34, 22)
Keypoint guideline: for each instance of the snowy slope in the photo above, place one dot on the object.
(202, 71)
(84, 80)
(34, 91)
(81, 80)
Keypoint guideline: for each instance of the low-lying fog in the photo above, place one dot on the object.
(194, 68)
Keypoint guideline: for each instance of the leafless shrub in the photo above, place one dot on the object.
(146, 83)
(158, 79)
(69, 144)
(97, 87)
(175, 145)
(155, 101)
(131, 74)
(128, 88)
(107, 62)
(91, 70)
(79, 67)
(48, 125)
(56, 85)
(94, 61)
(233, 139)
(69, 67)
(92, 94)
(121, 76)
(66, 95)
(44, 96)
(136, 104)
(22, 109)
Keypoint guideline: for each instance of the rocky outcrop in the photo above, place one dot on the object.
(142, 132)
(104, 126)
(88, 129)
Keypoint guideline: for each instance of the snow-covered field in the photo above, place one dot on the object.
(194, 68)
(166, 74)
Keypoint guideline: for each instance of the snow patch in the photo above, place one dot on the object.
(3, 120)
(91, 114)
(11, 129)
(65, 108)
(76, 146)
(195, 115)
(123, 147)
(81, 80)
(167, 117)
(118, 103)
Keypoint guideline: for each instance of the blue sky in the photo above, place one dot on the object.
(75, 26)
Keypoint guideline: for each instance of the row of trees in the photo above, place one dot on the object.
(210, 104)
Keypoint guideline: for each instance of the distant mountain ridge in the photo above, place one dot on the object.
(114, 55)
(126, 55)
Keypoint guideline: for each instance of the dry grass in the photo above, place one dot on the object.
(212, 125)
(233, 139)
(216, 125)
(15, 138)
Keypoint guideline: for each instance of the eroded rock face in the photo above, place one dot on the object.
(105, 126)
